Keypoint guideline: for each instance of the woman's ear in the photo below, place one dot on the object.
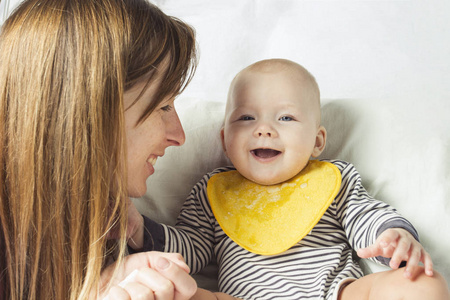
(321, 140)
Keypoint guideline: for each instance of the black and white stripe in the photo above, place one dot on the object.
(309, 270)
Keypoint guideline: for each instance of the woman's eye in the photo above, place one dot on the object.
(286, 118)
(166, 108)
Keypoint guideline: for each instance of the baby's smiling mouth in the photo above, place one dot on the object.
(265, 153)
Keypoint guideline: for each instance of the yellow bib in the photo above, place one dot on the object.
(271, 219)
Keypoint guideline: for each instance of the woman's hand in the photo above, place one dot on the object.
(160, 276)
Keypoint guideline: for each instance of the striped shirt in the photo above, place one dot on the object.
(311, 269)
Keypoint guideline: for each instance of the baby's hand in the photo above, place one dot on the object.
(399, 245)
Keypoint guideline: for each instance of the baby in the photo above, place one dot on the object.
(272, 129)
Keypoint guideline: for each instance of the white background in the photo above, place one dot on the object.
(356, 49)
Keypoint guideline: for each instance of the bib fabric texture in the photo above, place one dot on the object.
(268, 220)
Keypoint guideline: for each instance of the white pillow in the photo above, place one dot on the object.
(401, 152)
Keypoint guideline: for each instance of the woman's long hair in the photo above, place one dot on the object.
(64, 66)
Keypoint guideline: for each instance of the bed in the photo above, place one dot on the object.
(384, 72)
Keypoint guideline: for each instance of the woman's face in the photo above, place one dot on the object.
(148, 140)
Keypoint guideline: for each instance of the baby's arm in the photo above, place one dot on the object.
(399, 245)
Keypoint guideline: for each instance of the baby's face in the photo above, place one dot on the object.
(271, 126)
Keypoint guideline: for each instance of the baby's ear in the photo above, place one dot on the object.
(321, 140)
(222, 138)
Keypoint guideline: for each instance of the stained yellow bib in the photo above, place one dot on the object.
(271, 219)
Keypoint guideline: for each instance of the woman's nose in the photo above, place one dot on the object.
(174, 130)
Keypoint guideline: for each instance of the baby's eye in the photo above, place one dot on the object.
(166, 108)
(286, 118)
(246, 118)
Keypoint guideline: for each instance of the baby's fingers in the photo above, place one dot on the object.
(382, 247)
(371, 251)
(412, 262)
(389, 237)
(428, 263)
(419, 256)
(401, 253)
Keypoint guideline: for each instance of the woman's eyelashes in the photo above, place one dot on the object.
(166, 108)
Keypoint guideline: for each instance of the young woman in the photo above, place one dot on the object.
(86, 106)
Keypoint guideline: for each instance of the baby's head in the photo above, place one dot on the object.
(272, 121)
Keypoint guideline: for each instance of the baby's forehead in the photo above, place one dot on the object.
(284, 80)
(270, 96)
(295, 75)
(291, 77)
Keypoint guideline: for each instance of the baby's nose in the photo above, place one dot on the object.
(265, 130)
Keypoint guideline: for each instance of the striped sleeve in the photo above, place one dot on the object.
(363, 217)
(194, 233)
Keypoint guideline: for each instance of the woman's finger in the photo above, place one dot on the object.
(117, 293)
(161, 287)
(176, 258)
(139, 291)
(184, 285)
(169, 271)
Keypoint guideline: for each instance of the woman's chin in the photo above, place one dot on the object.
(137, 191)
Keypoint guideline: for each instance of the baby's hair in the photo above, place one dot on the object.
(270, 65)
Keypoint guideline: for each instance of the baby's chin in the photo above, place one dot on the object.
(267, 180)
